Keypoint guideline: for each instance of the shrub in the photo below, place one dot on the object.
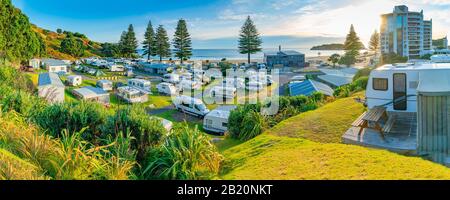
(253, 125)
(186, 154)
(69, 157)
(362, 72)
(356, 86)
(135, 122)
(73, 116)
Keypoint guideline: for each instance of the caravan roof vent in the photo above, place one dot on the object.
(402, 65)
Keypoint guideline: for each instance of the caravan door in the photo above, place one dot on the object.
(400, 93)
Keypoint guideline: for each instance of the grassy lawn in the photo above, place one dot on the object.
(159, 101)
(280, 158)
(308, 146)
(326, 124)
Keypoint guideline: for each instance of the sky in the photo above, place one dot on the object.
(215, 24)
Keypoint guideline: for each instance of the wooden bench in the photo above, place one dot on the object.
(374, 116)
(389, 124)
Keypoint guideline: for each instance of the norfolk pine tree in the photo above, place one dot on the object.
(162, 43)
(149, 41)
(249, 40)
(182, 42)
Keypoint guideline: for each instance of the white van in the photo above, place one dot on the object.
(216, 121)
(171, 78)
(166, 88)
(190, 105)
(225, 92)
(255, 86)
(186, 76)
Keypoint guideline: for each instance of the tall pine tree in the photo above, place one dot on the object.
(374, 44)
(162, 43)
(128, 43)
(149, 41)
(352, 46)
(249, 39)
(182, 42)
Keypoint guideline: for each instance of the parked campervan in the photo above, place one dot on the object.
(166, 88)
(186, 76)
(190, 105)
(171, 78)
(216, 121)
(224, 92)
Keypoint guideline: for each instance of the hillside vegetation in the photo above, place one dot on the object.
(308, 146)
(53, 42)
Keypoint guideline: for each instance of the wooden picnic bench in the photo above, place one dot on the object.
(375, 116)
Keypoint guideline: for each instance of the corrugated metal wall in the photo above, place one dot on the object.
(433, 127)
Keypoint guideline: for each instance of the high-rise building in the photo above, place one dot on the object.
(405, 33)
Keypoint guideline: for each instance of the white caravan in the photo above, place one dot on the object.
(223, 92)
(166, 88)
(190, 105)
(255, 86)
(141, 84)
(217, 120)
(189, 85)
(171, 78)
(234, 82)
(395, 86)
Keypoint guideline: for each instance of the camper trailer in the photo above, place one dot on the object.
(171, 78)
(166, 88)
(408, 111)
(131, 95)
(189, 85)
(216, 121)
(141, 84)
(224, 92)
(255, 86)
(115, 67)
(74, 80)
(105, 85)
(191, 106)
(234, 82)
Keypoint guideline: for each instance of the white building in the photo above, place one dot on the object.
(54, 66)
(90, 93)
(51, 88)
(405, 33)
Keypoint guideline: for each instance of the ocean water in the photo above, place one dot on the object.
(233, 54)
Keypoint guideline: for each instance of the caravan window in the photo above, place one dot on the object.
(224, 124)
(380, 84)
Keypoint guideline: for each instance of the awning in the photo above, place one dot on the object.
(434, 83)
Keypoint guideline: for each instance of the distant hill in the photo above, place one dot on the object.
(325, 47)
(53, 42)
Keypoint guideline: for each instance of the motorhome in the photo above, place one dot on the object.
(216, 121)
(190, 105)
(224, 92)
(171, 78)
(141, 84)
(167, 88)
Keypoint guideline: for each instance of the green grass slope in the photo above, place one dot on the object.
(313, 151)
(326, 124)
